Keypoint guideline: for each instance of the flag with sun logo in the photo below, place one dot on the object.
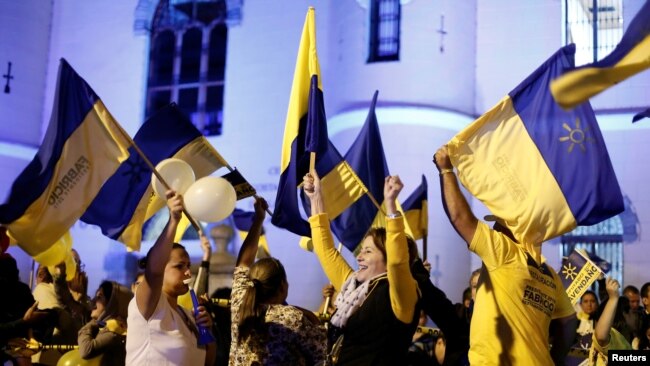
(578, 273)
(542, 169)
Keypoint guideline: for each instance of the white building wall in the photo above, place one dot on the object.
(513, 39)
(489, 48)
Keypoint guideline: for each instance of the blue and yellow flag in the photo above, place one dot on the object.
(631, 56)
(578, 273)
(416, 210)
(542, 169)
(243, 222)
(306, 131)
(121, 212)
(82, 148)
(366, 158)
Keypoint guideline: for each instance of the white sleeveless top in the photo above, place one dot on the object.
(163, 340)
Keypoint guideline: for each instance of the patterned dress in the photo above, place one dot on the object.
(288, 337)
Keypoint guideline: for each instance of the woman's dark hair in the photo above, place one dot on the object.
(589, 292)
(378, 235)
(142, 262)
(107, 289)
(267, 276)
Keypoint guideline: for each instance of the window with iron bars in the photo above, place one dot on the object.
(595, 26)
(384, 30)
(187, 61)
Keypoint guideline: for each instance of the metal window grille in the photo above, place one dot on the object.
(384, 30)
(604, 239)
(187, 60)
(595, 26)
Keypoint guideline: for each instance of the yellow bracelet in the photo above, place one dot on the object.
(445, 171)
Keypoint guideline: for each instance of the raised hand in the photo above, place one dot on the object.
(260, 206)
(441, 158)
(175, 205)
(311, 184)
(392, 187)
(206, 247)
(312, 188)
(612, 287)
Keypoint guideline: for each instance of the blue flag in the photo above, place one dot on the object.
(416, 210)
(121, 212)
(542, 169)
(82, 148)
(306, 131)
(366, 158)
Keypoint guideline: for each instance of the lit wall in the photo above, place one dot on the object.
(490, 46)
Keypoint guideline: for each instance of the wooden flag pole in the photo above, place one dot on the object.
(374, 201)
(195, 225)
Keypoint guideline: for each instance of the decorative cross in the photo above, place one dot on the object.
(442, 32)
(8, 76)
(435, 271)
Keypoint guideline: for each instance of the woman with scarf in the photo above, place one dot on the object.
(376, 306)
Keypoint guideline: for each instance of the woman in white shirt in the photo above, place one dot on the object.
(160, 331)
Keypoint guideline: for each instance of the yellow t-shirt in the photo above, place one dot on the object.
(598, 353)
(516, 300)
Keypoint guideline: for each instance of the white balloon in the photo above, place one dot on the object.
(176, 172)
(210, 199)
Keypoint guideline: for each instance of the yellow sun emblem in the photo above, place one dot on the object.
(577, 136)
(569, 271)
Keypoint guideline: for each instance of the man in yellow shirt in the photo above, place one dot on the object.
(520, 300)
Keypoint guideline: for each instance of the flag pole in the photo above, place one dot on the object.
(374, 201)
(195, 225)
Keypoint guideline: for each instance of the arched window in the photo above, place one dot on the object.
(188, 59)
(605, 239)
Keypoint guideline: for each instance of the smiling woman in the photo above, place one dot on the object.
(375, 316)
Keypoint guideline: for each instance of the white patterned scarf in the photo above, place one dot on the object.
(350, 299)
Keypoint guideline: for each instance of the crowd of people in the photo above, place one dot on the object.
(515, 310)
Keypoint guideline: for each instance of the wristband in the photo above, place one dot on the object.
(445, 171)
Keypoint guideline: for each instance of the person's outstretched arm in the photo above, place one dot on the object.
(150, 290)
(604, 324)
(334, 265)
(201, 282)
(248, 249)
(456, 207)
(402, 286)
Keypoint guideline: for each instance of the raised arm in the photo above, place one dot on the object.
(334, 265)
(402, 286)
(604, 324)
(248, 249)
(453, 201)
(150, 290)
(201, 282)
